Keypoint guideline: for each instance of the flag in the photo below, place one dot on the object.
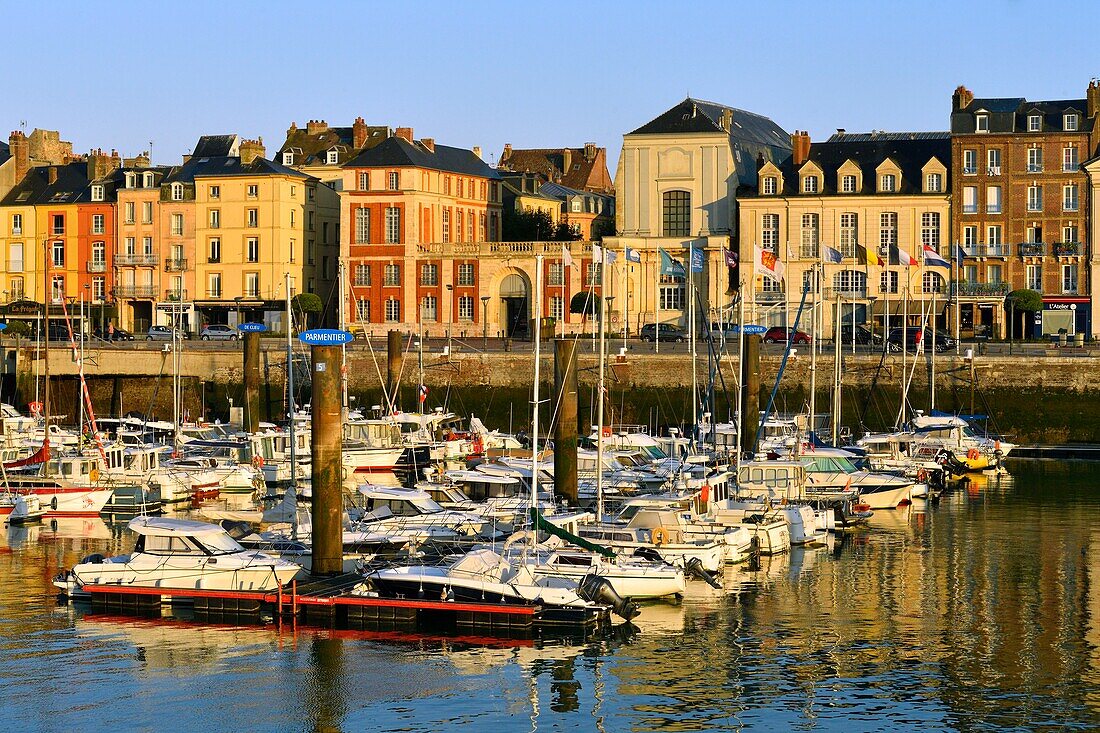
(960, 253)
(602, 254)
(422, 397)
(899, 256)
(731, 257)
(670, 266)
(932, 258)
(696, 259)
(867, 256)
(633, 255)
(832, 255)
(566, 258)
(769, 264)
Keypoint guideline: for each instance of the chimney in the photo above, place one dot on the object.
(98, 165)
(316, 127)
(961, 99)
(405, 133)
(252, 149)
(727, 119)
(477, 152)
(507, 152)
(429, 143)
(20, 150)
(800, 147)
(566, 160)
(51, 175)
(358, 133)
(1093, 98)
(590, 152)
(116, 160)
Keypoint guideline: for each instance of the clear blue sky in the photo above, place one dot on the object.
(533, 74)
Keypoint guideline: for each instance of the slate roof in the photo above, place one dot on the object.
(1009, 114)
(212, 146)
(71, 187)
(312, 149)
(911, 151)
(207, 167)
(5, 152)
(396, 152)
(511, 189)
(550, 163)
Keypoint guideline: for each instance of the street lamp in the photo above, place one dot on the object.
(485, 321)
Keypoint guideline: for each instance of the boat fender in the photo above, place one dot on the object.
(94, 475)
(659, 536)
(972, 454)
(997, 446)
(694, 568)
(96, 559)
(599, 590)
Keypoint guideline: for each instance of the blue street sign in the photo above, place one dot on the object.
(251, 327)
(3, 326)
(751, 328)
(325, 337)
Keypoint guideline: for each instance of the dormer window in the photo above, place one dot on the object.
(177, 192)
(97, 192)
(981, 123)
(288, 158)
(809, 184)
(933, 183)
(1034, 123)
(848, 184)
(888, 183)
(1069, 122)
(332, 156)
(770, 186)
(130, 179)
(147, 180)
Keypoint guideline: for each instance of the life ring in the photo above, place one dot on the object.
(257, 461)
(659, 536)
(972, 454)
(922, 475)
(704, 494)
(94, 475)
(997, 446)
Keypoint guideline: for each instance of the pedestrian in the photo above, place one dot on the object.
(111, 332)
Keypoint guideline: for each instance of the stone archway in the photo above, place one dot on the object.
(515, 298)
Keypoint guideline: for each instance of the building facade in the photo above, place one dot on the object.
(582, 169)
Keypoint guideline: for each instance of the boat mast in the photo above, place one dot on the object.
(691, 337)
(600, 389)
(48, 293)
(813, 354)
(535, 395)
(290, 387)
(740, 374)
(341, 310)
(837, 372)
(932, 381)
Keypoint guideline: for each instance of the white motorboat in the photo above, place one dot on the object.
(21, 509)
(180, 554)
(769, 529)
(668, 544)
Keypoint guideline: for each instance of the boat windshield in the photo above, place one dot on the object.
(218, 543)
(830, 464)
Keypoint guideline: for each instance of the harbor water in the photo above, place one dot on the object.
(980, 613)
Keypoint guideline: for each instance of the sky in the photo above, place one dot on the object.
(562, 73)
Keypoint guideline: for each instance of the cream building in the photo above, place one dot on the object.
(886, 194)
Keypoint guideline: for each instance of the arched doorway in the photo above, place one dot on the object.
(514, 297)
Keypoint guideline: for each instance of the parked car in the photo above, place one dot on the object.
(942, 340)
(163, 333)
(120, 334)
(777, 334)
(219, 332)
(863, 335)
(667, 332)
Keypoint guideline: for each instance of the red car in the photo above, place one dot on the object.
(777, 334)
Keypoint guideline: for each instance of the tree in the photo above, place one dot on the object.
(17, 330)
(526, 226)
(1019, 303)
(566, 232)
(306, 303)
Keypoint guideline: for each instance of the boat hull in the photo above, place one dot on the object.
(888, 498)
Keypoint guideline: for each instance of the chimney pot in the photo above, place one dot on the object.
(358, 133)
(51, 175)
(19, 147)
(405, 133)
(429, 143)
(477, 152)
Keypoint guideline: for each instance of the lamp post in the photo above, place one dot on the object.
(485, 321)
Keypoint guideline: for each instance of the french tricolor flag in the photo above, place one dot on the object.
(423, 395)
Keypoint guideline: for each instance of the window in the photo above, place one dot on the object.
(130, 248)
(809, 184)
(215, 219)
(970, 162)
(981, 123)
(493, 225)
(1069, 197)
(770, 188)
(458, 225)
(97, 223)
(970, 236)
(1069, 122)
(364, 180)
(676, 214)
(252, 284)
(1034, 198)
(932, 282)
(393, 180)
(466, 274)
(970, 199)
(1069, 278)
(1035, 277)
(392, 275)
(992, 199)
(1069, 158)
(888, 282)
(58, 224)
(362, 310)
(15, 258)
(293, 217)
(576, 207)
(393, 225)
(810, 236)
(332, 156)
(1034, 123)
(888, 183)
(1034, 160)
(393, 310)
(147, 245)
(362, 276)
(556, 274)
(848, 234)
(16, 286)
(888, 231)
(446, 225)
(848, 184)
(99, 253)
(769, 232)
(993, 240)
(933, 183)
(470, 226)
(362, 225)
(57, 289)
(1034, 234)
(252, 250)
(993, 159)
(252, 217)
(850, 281)
(994, 274)
(253, 191)
(429, 274)
(592, 276)
(481, 228)
(215, 192)
(429, 311)
(97, 192)
(146, 212)
(215, 250)
(128, 216)
(672, 292)
(177, 192)
(930, 230)
(214, 285)
(177, 224)
(1069, 233)
(58, 254)
(288, 158)
(970, 274)
(557, 307)
(16, 223)
(131, 180)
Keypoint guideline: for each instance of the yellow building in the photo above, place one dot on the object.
(887, 193)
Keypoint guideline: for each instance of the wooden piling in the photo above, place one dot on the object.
(326, 447)
(251, 381)
(565, 430)
(750, 393)
(394, 343)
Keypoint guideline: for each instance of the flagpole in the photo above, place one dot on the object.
(958, 276)
(626, 298)
(691, 337)
(932, 381)
(657, 301)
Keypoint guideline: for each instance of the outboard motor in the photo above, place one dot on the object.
(649, 553)
(694, 568)
(236, 530)
(598, 590)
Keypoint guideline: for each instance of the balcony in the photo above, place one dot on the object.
(57, 231)
(1032, 249)
(993, 208)
(993, 170)
(985, 250)
(175, 264)
(97, 266)
(214, 259)
(971, 170)
(137, 259)
(175, 295)
(845, 293)
(963, 288)
(1066, 249)
(1034, 167)
(970, 208)
(214, 293)
(1068, 168)
(135, 291)
(770, 296)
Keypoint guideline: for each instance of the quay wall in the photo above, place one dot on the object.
(1048, 399)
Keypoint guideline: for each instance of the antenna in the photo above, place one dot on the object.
(22, 124)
